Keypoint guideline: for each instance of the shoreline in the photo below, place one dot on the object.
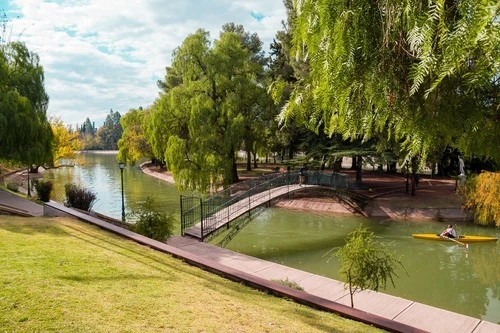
(393, 204)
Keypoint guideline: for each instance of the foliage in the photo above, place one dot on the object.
(212, 103)
(289, 283)
(152, 222)
(66, 142)
(133, 144)
(365, 263)
(482, 193)
(78, 197)
(424, 74)
(110, 132)
(25, 132)
(43, 189)
(14, 187)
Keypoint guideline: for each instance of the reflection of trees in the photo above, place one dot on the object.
(465, 290)
(486, 265)
(60, 177)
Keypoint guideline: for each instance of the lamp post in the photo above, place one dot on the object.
(29, 185)
(122, 166)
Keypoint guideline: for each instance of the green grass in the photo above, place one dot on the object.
(61, 275)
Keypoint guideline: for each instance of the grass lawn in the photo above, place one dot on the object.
(62, 275)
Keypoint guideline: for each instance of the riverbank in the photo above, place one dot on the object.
(434, 199)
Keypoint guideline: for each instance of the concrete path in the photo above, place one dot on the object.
(20, 204)
(404, 311)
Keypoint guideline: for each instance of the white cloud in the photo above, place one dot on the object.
(100, 55)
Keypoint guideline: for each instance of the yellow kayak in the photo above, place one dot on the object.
(463, 239)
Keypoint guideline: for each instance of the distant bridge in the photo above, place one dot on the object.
(203, 219)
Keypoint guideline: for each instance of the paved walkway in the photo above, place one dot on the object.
(400, 310)
(12, 202)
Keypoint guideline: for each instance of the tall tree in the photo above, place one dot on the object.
(133, 144)
(111, 131)
(424, 73)
(209, 94)
(25, 133)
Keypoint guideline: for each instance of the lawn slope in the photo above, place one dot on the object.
(59, 274)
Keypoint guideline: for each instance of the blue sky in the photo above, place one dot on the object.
(108, 54)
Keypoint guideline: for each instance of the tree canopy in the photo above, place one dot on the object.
(212, 102)
(25, 132)
(133, 144)
(423, 74)
(111, 131)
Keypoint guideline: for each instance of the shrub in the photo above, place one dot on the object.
(151, 222)
(366, 263)
(14, 187)
(43, 189)
(481, 197)
(289, 283)
(78, 197)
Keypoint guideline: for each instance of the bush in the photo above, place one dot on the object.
(78, 197)
(43, 189)
(14, 187)
(481, 197)
(153, 223)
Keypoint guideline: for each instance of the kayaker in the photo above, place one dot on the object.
(449, 232)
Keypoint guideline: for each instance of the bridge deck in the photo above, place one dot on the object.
(230, 213)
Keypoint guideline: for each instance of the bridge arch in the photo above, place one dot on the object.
(202, 219)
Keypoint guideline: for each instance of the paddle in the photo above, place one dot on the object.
(454, 240)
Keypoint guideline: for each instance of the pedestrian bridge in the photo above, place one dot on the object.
(204, 218)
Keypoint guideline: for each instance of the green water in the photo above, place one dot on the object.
(100, 173)
(440, 274)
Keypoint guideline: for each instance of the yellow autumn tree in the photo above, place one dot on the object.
(481, 198)
(66, 142)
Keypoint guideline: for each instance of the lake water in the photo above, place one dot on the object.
(440, 274)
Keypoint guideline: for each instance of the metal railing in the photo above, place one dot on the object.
(225, 206)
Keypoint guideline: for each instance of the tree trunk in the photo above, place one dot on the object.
(235, 172)
(337, 165)
(254, 160)
(354, 163)
(249, 160)
(359, 168)
(392, 167)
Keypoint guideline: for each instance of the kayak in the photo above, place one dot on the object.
(463, 239)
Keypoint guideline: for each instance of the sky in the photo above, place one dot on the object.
(100, 55)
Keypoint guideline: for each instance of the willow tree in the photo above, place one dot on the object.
(210, 94)
(25, 132)
(422, 73)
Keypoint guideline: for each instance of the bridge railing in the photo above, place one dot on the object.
(224, 206)
(227, 204)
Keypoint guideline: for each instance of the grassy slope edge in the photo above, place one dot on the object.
(60, 274)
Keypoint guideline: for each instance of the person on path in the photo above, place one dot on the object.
(302, 176)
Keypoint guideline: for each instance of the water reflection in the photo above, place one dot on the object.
(101, 174)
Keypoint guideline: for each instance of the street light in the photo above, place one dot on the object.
(29, 185)
(122, 166)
